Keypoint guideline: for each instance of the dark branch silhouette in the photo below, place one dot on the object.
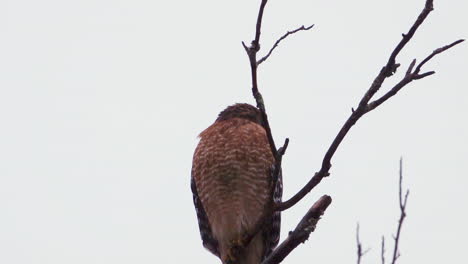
(301, 233)
(360, 252)
(382, 252)
(364, 106)
(403, 201)
(410, 76)
(252, 51)
(402, 204)
(280, 39)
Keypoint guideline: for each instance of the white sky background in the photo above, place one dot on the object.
(101, 103)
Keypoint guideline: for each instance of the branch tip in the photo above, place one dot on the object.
(302, 28)
(302, 231)
(422, 75)
(382, 252)
(410, 68)
(282, 150)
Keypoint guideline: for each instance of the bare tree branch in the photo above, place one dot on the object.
(280, 39)
(301, 233)
(402, 201)
(410, 76)
(364, 106)
(360, 253)
(382, 252)
(437, 51)
(252, 51)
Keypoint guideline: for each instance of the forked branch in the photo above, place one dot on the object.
(360, 251)
(252, 51)
(410, 76)
(402, 200)
(364, 106)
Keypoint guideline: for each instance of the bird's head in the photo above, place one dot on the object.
(244, 111)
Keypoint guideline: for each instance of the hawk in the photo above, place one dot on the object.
(232, 186)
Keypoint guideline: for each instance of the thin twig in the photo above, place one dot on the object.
(382, 252)
(402, 203)
(364, 105)
(280, 39)
(360, 253)
(301, 233)
(435, 52)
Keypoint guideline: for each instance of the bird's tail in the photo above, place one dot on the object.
(252, 254)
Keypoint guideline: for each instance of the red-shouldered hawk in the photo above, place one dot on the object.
(232, 186)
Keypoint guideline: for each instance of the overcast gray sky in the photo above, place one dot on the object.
(101, 103)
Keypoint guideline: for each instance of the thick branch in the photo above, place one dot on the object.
(301, 232)
(364, 105)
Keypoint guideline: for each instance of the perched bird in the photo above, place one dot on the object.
(232, 186)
